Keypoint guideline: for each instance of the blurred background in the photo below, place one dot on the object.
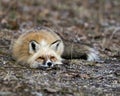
(87, 13)
(88, 21)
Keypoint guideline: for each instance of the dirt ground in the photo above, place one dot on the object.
(92, 22)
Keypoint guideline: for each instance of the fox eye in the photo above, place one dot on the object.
(52, 57)
(41, 58)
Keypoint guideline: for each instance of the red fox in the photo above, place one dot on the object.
(38, 48)
(43, 48)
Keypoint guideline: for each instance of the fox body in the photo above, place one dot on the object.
(43, 48)
(38, 48)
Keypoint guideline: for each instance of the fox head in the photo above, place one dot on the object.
(43, 54)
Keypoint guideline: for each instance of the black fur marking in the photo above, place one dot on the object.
(55, 42)
(33, 46)
(58, 42)
(84, 56)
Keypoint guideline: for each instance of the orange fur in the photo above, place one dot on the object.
(21, 45)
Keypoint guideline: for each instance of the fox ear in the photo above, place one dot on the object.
(55, 45)
(33, 47)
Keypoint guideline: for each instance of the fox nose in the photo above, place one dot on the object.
(49, 64)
